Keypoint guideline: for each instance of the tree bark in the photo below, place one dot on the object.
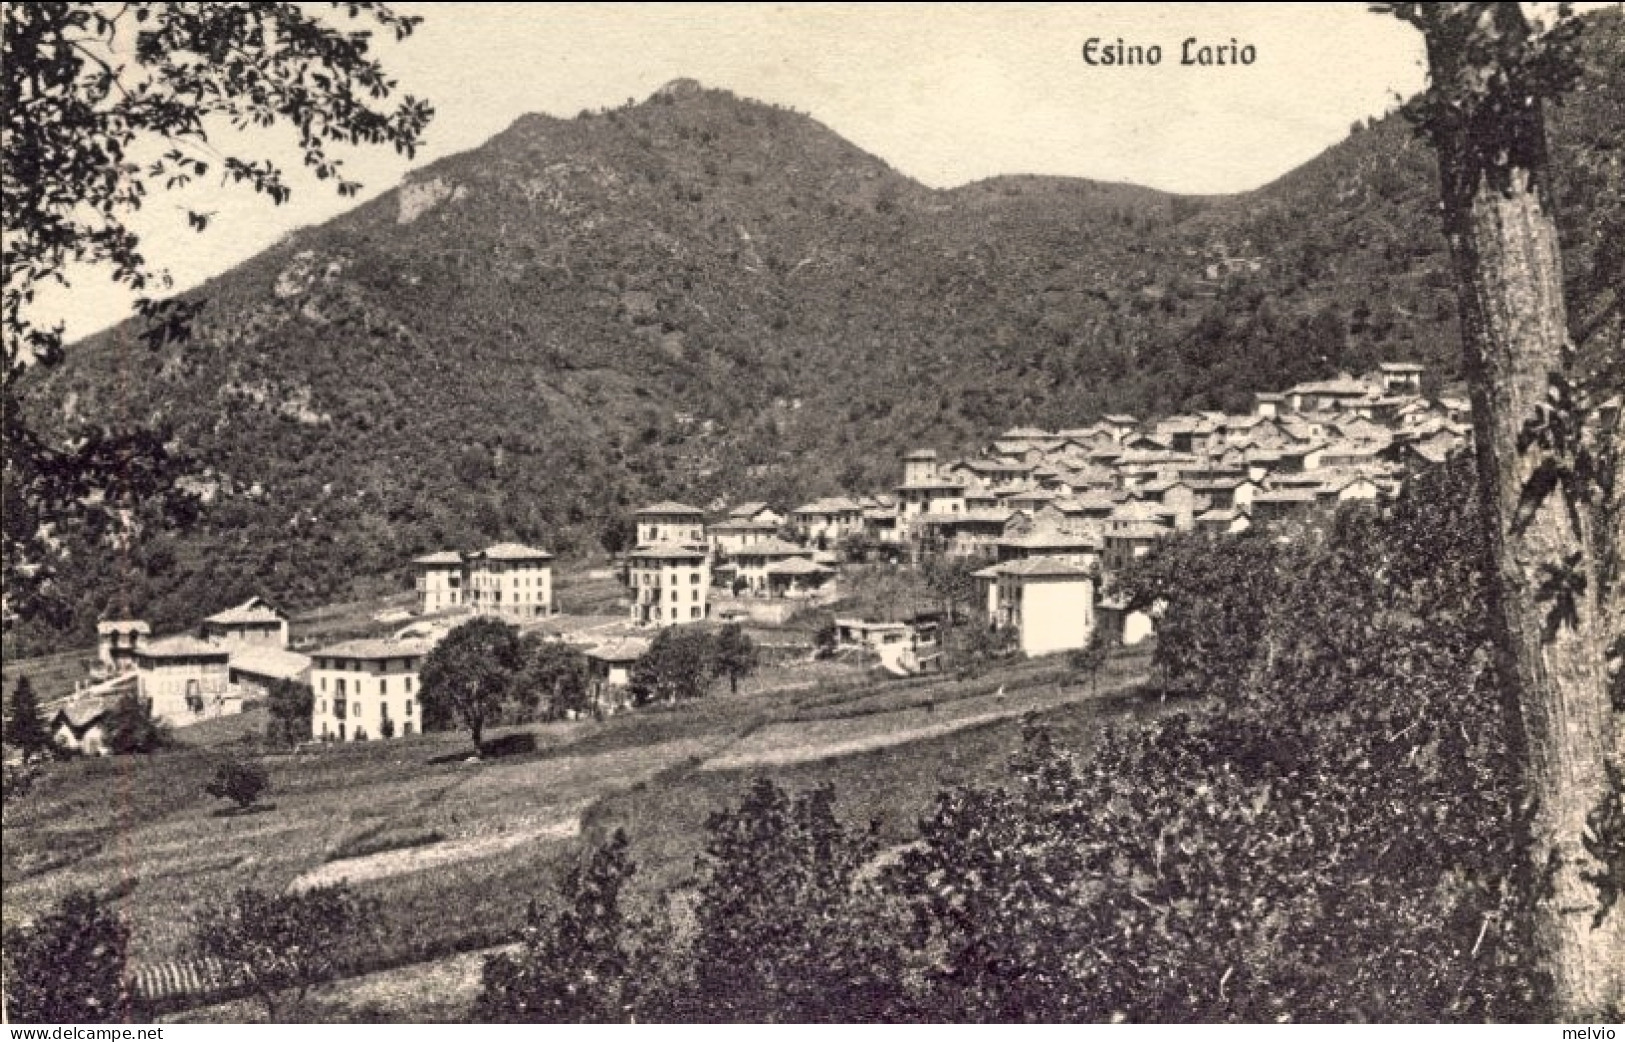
(1502, 232)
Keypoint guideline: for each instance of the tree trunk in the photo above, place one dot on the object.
(1503, 240)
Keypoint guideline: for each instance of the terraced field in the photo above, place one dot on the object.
(454, 849)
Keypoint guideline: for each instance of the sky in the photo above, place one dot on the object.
(945, 93)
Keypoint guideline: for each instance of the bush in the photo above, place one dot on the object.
(278, 946)
(242, 783)
(68, 967)
(130, 728)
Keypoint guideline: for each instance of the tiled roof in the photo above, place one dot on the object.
(514, 552)
(269, 662)
(374, 649)
(670, 552)
(773, 548)
(1121, 418)
(443, 557)
(1053, 541)
(834, 505)
(669, 508)
(1138, 530)
(250, 611)
(798, 566)
(1043, 567)
(747, 510)
(181, 646)
(921, 454)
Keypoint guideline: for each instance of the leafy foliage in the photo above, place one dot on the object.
(552, 679)
(280, 945)
(781, 923)
(1213, 594)
(242, 783)
(1090, 659)
(577, 964)
(290, 705)
(468, 674)
(24, 728)
(679, 665)
(735, 654)
(103, 104)
(1332, 834)
(129, 727)
(68, 966)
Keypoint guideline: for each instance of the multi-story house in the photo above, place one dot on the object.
(825, 522)
(252, 623)
(1049, 603)
(670, 585)
(511, 581)
(670, 522)
(367, 689)
(439, 581)
(184, 680)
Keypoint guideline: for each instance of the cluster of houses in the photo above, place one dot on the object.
(235, 656)
(1047, 515)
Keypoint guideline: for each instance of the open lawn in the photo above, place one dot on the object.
(455, 849)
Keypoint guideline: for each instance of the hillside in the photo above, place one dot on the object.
(702, 297)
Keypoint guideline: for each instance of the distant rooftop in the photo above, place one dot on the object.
(669, 509)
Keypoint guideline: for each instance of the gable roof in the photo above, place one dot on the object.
(772, 548)
(513, 552)
(181, 646)
(1043, 568)
(798, 566)
(253, 610)
(669, 508)
(374, 649)
(667, 552)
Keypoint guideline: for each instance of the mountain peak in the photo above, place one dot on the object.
(681, 87)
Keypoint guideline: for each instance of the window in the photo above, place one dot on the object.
(674, 595)
(383, 686)
(696, 596)
(408, 707)
(355, 708)
(694, 613)
(324, 683)
(408, 685)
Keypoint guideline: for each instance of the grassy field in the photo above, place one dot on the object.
(455, 849)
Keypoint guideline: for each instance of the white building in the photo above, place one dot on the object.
(670, 522)
(511, 581)
(367, 689)
(252, 623)
(439, 581)
(670, 585)
(185, 680)
(1049, 603)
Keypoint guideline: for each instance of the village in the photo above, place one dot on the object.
(1046, 518)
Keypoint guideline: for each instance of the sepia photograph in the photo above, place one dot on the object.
(812, 513)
